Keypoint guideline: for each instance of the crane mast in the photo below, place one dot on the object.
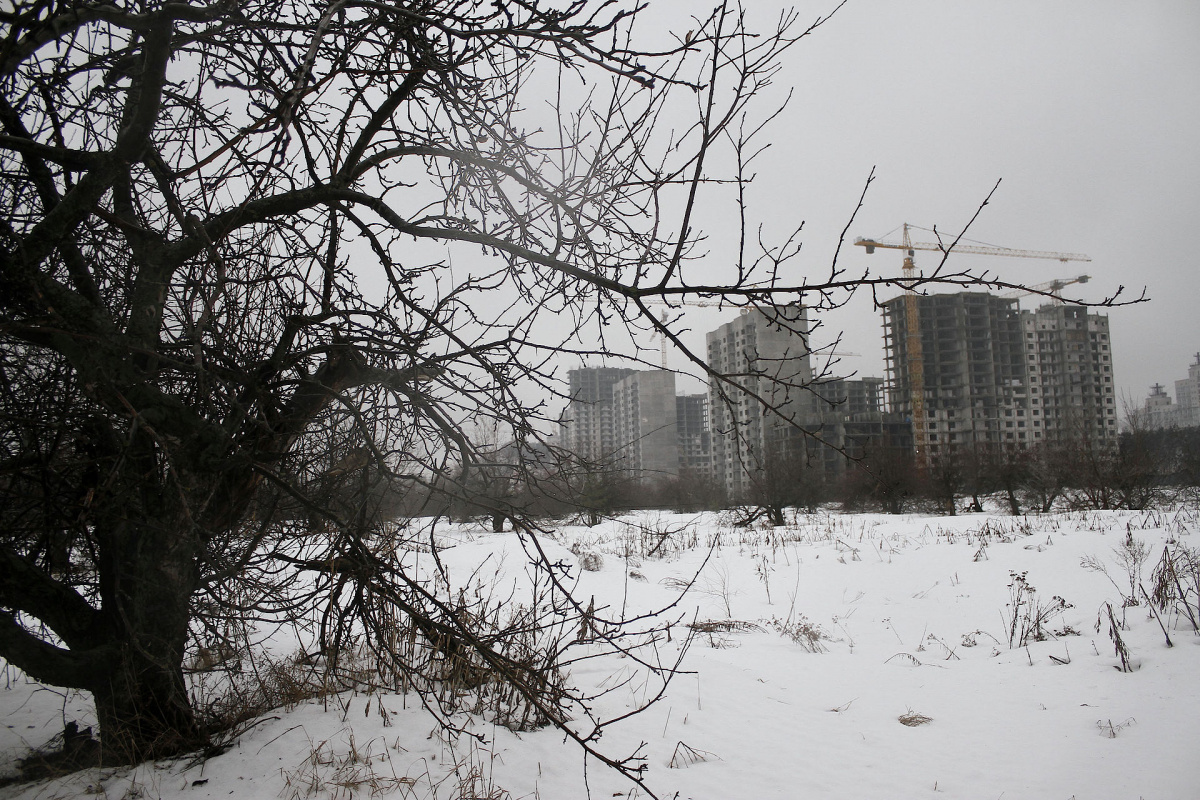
(916, 355)
(682, 301)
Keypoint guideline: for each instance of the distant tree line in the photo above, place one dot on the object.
(1144, 468)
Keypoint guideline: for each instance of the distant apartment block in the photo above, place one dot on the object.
(1160, 413)
(588, 427)
(851, 418)
(1072, 393)
(862, 396)
(633, 420)
(695, 440)
(992, 375)
(644, 423)
(1187, 390)
(765, 358)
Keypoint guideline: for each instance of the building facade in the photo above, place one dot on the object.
(974, 372)
(1187, 390)
(1160, 413)
(588, 428)
(1072, 392)
(695, 440)
(633, 421)
(997, 375)
(644, 424)
(849, 420)
(767, 364)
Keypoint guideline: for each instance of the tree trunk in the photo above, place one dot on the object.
(147, 576)
(144, 710)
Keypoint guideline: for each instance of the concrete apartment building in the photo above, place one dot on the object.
(644, 424)
(1072, 394)
(975, 377)
(851, 417)
(587, 423)
(695, 439)
(633, 420)
(993, 375)
(996, 375)
(860, 396)
(765, 355)
(1160, 413)
(1187, 390)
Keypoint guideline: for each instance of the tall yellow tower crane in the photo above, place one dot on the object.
(912, 321)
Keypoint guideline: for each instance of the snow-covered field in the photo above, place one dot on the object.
(910, 618)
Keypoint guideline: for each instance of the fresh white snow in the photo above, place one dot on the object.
(914, 611)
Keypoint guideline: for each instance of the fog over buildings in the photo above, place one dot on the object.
(992, 376)
(1087, 119)
(1086, 114)
(1160, 413)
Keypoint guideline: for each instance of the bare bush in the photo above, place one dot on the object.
(1176, 582)
(1028, 618)
(809, 635)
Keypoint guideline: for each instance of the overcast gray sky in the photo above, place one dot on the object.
(1087, 111)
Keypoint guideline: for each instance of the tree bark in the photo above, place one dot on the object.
(143, 709)
(149, 570)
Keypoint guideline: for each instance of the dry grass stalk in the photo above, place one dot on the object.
(685, 755)
(912, 719)
(1114, 633)
(809, 635)
(724, 626)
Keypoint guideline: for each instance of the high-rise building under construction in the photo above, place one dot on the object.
(632, 421)
(995, 375)
(589, 429)
(974, 374)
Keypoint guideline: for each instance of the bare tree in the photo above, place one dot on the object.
(1009, 468)
(783, 476)
(886, 475)
(947, 476)
(232, 329)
